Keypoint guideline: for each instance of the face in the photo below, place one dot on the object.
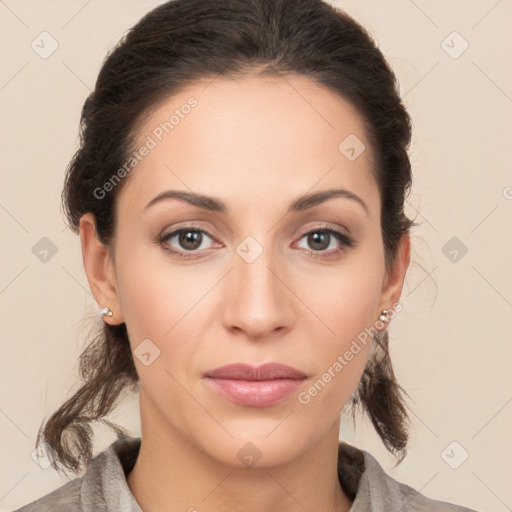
(253, 281)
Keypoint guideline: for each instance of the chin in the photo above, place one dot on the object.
(258, 449)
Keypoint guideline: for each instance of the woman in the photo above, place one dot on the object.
(239, 194)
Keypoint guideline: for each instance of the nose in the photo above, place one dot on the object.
(259, 301)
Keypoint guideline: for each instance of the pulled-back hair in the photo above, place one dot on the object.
(177, 44)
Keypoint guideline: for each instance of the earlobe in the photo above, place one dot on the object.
(99, 268)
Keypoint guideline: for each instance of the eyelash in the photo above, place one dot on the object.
(338, 235)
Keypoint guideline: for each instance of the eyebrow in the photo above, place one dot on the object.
(299, 205)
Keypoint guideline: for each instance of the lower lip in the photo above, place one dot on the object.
(255, 393)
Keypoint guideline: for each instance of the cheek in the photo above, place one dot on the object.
(346, 303)
(153, 301)
(352, 302)
(346, 298)
(163, 301)
(142, 293)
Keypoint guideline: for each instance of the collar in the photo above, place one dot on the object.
(104, 485)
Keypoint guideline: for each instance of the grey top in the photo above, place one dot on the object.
(103, 486)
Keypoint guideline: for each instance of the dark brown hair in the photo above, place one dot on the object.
(177, 44)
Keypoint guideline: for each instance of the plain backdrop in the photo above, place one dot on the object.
(450, 345)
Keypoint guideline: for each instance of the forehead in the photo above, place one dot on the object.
(257, 136)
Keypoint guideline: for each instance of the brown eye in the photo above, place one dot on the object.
(190, 240)
(187, 240)
(319, 241)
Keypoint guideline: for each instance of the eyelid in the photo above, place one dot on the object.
(346, 241)
(187, 226)
(325, 225)
(193, 225)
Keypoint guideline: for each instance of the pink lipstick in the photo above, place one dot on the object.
(252, 386)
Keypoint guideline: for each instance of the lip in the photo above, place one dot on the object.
(252, 386)
(267, 371)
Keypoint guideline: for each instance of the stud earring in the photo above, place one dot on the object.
(383, 317)
(106, 312)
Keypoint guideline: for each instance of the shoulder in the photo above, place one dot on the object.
(66, 497)
(102, 487)
(379, 491)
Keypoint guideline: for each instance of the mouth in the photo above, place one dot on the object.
(268, 371)
(251, 386)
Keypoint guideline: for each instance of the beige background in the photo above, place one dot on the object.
(451, 344)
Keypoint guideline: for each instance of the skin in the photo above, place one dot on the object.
(256, 144)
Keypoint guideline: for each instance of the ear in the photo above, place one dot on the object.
(394, 280)
(99, 267)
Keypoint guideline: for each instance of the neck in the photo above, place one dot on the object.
(172, 473)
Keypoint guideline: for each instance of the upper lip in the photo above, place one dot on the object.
(268, 371)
